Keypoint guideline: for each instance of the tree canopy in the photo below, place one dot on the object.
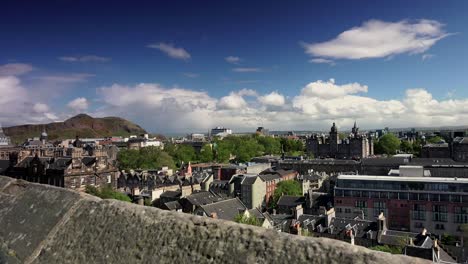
(144, 158)
(289, 187)
(107, 192)
(252, 220)
(387, 144)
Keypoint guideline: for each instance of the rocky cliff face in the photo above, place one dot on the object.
(81, 125)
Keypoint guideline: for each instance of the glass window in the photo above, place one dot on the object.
(361, 204)
(403, 195)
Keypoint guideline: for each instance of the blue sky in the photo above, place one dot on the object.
(293, 65)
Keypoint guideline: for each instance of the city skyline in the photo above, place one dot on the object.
(181, 66)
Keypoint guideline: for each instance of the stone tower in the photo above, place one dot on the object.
(334, 140)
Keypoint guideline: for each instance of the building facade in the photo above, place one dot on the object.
(356, 146)
(410, 203)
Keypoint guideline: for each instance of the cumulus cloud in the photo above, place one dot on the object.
(15, 69)
(247, 70)
(315, 106)
(233, 59)
(232, 101)
(79, 104)
(272, 99)
(247, 92)
(85, 58)
(17, 106)
(171, 51)
(40, 108)
(377, 39)
(329, 89)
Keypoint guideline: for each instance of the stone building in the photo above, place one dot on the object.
(4, 140)
(355, 146)
(457, 149)
(72, 167)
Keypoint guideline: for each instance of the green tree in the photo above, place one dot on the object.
(206, 154)
(184, 153)
(107, 192)
(144, 158)
(252, 220)
(270, 145)
(434, 140)
(387, 144)
(406, 146)
(289, 187)
(388, 249)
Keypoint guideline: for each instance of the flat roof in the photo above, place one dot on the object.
(402, 178)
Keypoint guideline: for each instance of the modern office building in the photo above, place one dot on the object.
(409, 202)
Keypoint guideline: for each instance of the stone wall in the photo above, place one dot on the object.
(47, 224)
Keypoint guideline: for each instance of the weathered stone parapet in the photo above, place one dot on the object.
(46, 224)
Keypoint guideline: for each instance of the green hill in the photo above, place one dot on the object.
(81, 125)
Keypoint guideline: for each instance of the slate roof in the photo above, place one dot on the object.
(173, 205)
(202, 198)
(226, 210)
(25, 162)
(60, 164)
(384, 161)
(291, 201)
(171, 194)
(307, 220)
(249, 180)
(269, 177)
(361, 227)
(88, 160)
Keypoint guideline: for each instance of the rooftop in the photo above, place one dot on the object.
(403, 179)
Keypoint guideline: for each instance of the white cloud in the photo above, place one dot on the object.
(247, 70)
(15, 69)
(79, 104)
(40, 108)
(85, 58)
(233, 59)
(329, 89)
(272, 99)
(232, 101)
(171, 51)
(17, 106)
(323, 61)
(377, 39)
(316, 106)
(247, 92)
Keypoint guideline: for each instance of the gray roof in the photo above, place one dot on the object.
(88, 160)
(384, 161)
(171, 194)
(269, 177)
(60, 163)
(360, 226)
(289, 200)
(202, 198)
(249, 180)
(173, 205)
(226, 210)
